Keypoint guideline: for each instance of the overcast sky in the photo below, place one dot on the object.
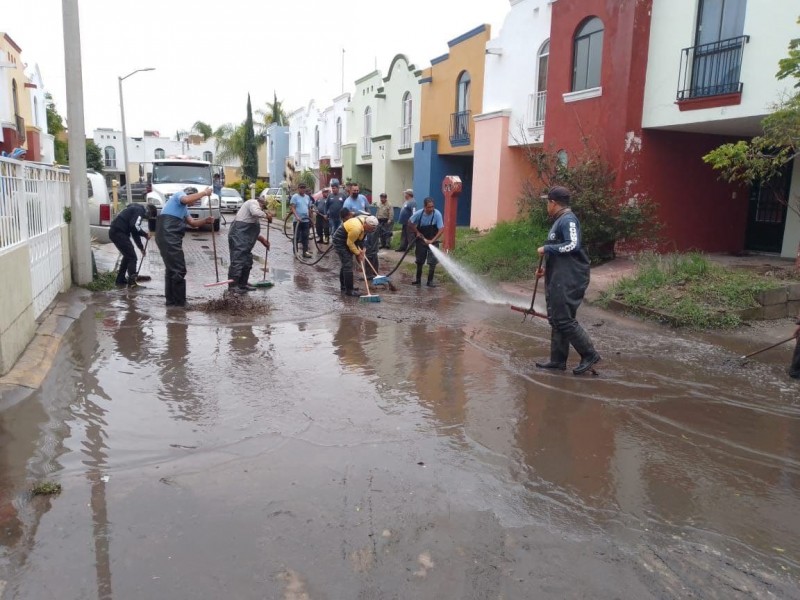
(209, 55)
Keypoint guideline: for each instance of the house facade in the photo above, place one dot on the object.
(358, 148)
(610, 87)
(23, 117)
(451, 95)
(513, 117)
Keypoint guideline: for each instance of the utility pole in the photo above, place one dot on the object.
(79, 240)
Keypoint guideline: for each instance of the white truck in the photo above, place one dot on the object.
(174, 174)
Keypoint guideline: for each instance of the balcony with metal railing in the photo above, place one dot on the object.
(711, 69)
(460, 128)
(337, 151)
(315, 155)
(536, 112)
(366, 145)
(405, 138)
(296, 159)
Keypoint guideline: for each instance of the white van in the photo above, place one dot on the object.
(99, 204)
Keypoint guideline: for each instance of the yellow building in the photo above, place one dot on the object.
(452, 93)
(21, 123)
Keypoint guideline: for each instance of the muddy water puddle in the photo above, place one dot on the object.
(294, 440)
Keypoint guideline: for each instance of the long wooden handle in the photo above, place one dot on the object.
(214, 245)
(364, 272)
(536, 283)
(767, 348)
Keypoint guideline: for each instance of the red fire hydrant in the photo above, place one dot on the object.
(451, 188)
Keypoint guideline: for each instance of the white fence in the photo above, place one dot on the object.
(32, 202)
(536, 110)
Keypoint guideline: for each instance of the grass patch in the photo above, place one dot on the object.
(691, 290)
(505, 253)
(46, 488)
(102, 282)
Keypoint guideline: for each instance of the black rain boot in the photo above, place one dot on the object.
(431, 270)
(341, 281)
(350, 290)
(559, 350)
(583, 344)
(794, 368)
(244, 281)
(418, 278)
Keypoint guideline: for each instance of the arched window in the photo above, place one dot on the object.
(540, 100)
(299, 143)
(159, 153)
(462, 92)
(367, 131)
(208, 156)
(587, 58)
(405, 132)
(15, 96)
(110, 157)
(338, 150)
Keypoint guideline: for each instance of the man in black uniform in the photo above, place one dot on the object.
(566, 277)
(126, 224)
(169, 236)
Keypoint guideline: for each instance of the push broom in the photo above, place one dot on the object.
(264, 283)
(369, 297)
(141, 262)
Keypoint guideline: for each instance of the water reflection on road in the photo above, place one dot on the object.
(676, 469)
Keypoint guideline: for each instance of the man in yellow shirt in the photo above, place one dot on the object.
(348, 241)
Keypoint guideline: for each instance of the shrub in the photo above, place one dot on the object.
(606, 215)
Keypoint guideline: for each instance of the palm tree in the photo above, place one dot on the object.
(274, 113)
(230, 142)
(203, 129)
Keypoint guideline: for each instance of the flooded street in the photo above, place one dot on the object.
(331, 449)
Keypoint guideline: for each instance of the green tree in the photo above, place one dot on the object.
(203, 129)
(274, 113)
(230, 143)
(765, 157)
(250, 158)
(94, 156)
(55, 127)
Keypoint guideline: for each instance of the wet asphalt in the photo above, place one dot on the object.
(325, 448)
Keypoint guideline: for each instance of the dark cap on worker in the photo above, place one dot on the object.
(559, 194)
(334, 182)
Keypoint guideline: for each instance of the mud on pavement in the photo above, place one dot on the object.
(326, 448)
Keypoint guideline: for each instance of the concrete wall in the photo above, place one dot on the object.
(17, 323)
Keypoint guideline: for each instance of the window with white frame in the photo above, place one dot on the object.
(159, 153)
(405, 130)
(208, 156)
(110, 157)
(338, 149)
(367, 132)
(540, 97)
(462, 92)
(587, 55)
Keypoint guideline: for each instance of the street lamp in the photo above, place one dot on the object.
(124, 133)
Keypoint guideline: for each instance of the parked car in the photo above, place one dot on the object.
(231, 200)
(273, 191)
(99, 204)
(138, 191)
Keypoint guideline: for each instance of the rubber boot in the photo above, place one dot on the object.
(341, 280)
(559, 350)
(583, 344)
(348, 285)
(418, 278)
(794, 368)
(244, 280)
(431, 271)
